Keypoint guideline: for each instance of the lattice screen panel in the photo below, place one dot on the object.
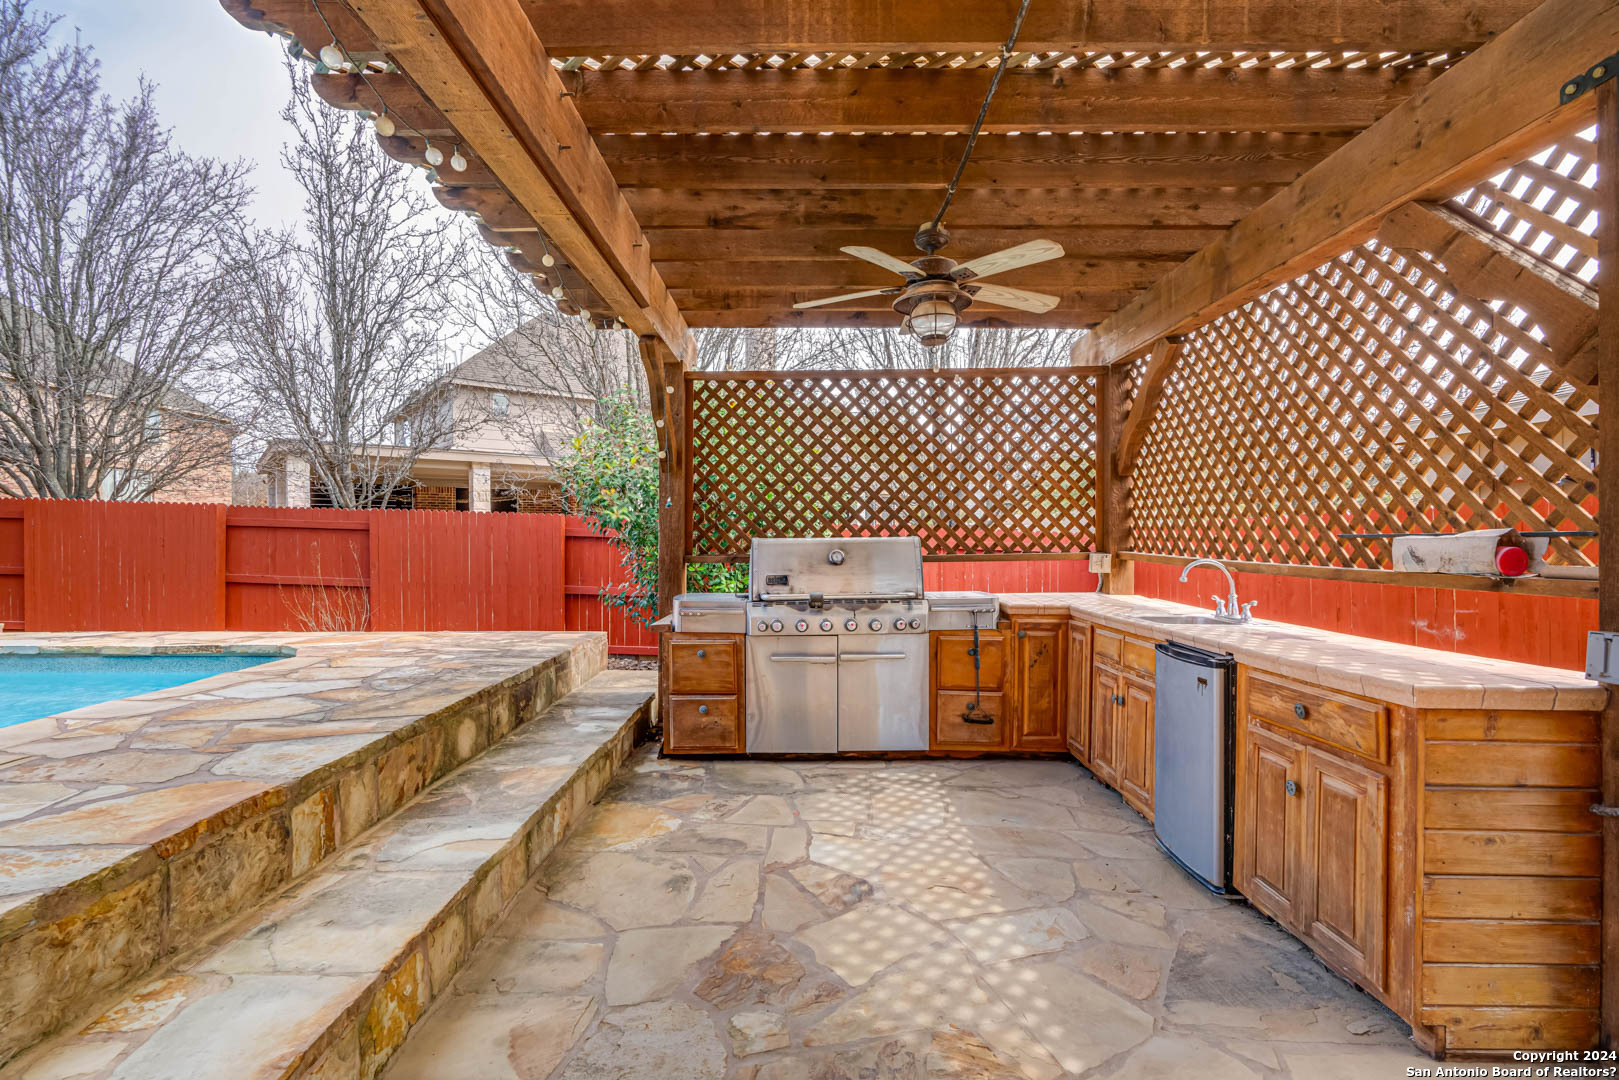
(1366, 396)
(1544, 205)
(992, 461)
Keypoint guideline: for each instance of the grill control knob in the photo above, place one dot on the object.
(916, 624)
(801, 626)
(876, 625)
(775, 625)
(762, 626)
(826, 625)
(899, 624)
(851, 625)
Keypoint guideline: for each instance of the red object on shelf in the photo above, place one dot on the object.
(1512, 561)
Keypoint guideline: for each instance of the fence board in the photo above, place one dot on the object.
(441, 570)
(11, 568)
(591, 561)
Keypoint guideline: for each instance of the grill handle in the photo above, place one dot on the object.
(801, 658)
(872, 656)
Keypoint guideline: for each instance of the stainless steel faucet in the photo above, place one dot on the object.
(1226, 609)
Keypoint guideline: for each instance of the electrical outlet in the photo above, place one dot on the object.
(1101, 562)
(1602, 656)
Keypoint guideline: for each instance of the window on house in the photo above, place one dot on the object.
(499, 404)
(154, 424)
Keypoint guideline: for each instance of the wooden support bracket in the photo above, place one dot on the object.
(1165, 354)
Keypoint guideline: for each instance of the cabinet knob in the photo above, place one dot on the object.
(1292, 785)
(1118, 699)
(1022, 633)
(702, 710)
(1300, 711)
(702, 654)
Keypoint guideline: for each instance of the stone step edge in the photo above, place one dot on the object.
(359, 1038)
(319, 813)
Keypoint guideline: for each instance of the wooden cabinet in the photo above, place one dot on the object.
(1078, 681)
(1312, 833)
(1136, 745)
(968, 705)
(1039, 680)
(1121, 738)
(706, 713)
(1106, 704)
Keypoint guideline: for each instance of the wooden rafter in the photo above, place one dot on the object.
(1206, 160)
(481, 66)
(1150, 390)
(594, 27)
(813, 244)
(1473, 120)
(889, 99)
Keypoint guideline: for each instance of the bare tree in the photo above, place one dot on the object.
(114, 300)
(339, 325)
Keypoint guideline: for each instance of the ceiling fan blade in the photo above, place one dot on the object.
(1035, 251)
(1006, 296)
(845, 296)
(878, 258)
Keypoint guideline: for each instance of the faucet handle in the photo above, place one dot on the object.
(1219, 605)
(1247, 610)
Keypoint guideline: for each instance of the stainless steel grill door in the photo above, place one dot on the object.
(882, 692)
(793, 695)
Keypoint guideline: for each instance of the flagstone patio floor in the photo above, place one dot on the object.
(885, 920)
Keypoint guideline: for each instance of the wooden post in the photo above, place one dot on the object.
(1608, 519)
(666, 383)
(1113, 490)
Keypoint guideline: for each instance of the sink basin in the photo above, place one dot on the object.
(1187, 620)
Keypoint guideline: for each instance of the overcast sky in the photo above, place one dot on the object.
(220, 86)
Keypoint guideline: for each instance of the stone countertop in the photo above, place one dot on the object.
(1387, 671)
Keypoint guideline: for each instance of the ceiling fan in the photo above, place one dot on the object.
(937, 289)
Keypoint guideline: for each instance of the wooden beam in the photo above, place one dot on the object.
(643, 27)
(1026, 208)
(1488, 111)
(1075, 308)
(846, 274)
(666, 383)
(1113, 488)
(1482, 264)
(840, 318)
(1607, 96)
(1165, 355)
(1198, 160)
(789, 245)
(479, 63)
(943, 101)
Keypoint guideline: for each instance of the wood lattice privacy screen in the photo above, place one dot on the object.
(1395, 388)
(997, 461)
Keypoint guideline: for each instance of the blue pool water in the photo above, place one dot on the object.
(36, 686)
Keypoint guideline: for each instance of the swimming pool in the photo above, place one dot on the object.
(36, 686)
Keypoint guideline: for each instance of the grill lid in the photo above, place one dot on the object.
(868, 567)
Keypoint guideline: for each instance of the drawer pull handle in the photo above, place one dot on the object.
(702, 710)
(702, 654)
(1301, 712)
(1292, 785)
(1118, 699)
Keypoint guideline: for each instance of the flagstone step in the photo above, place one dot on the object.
(130, 830)
(327, 978)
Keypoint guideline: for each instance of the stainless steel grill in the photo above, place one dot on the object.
(837, 642)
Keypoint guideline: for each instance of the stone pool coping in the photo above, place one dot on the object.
(141, 823)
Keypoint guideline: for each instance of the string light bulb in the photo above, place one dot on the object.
(557, 292)
(585, 315)
(457, 162)
(548, 259)
(385, 124)
(332, 55)
(433, 155)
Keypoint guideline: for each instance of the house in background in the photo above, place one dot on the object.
(504, 434)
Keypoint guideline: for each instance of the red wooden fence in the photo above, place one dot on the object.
(70, 565)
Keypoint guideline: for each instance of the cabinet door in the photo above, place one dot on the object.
(1078, 691)
(1104, 724)
(1346, 850)
(1038, 645)
(1135, 736)
(1270, 831)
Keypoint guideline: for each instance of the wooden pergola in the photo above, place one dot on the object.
(1286, 228)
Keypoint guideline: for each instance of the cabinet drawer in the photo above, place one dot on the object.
(1140, 656)
(704, 724)
(955, 731)
(704, 665)
(1107, 646)
(1361, 727)
(954, 661)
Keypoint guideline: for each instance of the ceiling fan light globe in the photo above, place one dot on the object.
(933, 321)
